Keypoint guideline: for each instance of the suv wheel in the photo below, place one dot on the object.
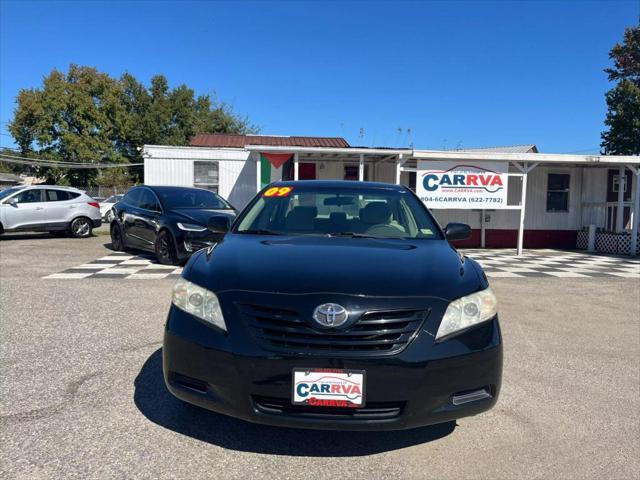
(80, 228)
(166, 249)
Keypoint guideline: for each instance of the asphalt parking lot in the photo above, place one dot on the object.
(83, 396)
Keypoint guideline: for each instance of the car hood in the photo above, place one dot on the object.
(352, 266)
(201, 216)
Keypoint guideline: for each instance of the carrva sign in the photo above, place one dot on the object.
(468, 185)
(328, 388)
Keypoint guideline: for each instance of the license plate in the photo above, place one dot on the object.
(324, 387)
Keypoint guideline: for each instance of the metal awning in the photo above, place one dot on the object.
(328, 154)
(539, 158)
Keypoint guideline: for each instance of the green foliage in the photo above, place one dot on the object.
(114, 177)
(623, 101)
(89, 116)
(6, 167)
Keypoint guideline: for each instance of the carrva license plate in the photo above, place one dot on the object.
(325, 387)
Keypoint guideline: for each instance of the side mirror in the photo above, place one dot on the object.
(220, 224)
(13, 202)
(457, 231)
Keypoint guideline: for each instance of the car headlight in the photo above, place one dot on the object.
(191, 227)
(468, 311)
(199, 302)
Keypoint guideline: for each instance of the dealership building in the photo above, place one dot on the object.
(510, 196)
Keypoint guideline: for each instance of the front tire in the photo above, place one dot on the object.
(80, 228)
(117, 239)
(166, 249)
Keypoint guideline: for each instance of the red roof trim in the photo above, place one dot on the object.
(239, 141)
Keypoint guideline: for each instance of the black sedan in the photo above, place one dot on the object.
(172, 222)
(335, 305)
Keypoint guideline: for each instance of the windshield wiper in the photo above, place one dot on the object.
(260, 232)
(351, 235)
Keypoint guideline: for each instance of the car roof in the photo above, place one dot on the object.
(170, 188)
(338, 184)
(60, 187)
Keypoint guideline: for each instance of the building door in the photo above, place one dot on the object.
(307, 171)
(613, 186)
(612, 217)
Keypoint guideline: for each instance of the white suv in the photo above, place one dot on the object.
(48, 208)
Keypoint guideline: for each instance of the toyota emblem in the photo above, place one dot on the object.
(330, 315)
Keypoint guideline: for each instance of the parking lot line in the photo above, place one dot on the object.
(626, 274)
(146, 276)
(568, 274)
(136, 261)
(117, 271)
(157, 266)
(505, 274)
(92, 266)
(68, 275)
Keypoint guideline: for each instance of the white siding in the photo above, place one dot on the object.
(174, 166)
(385, 172)
(168, 171)
(238, 181)
(594, 195)
(333, 170)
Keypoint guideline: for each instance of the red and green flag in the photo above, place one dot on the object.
(269, 160)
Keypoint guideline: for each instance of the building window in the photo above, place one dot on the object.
(558, 192)
(352, 172)
(205, 175)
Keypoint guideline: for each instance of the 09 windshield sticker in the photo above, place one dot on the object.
(277, 192)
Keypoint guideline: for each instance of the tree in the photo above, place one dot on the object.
(90, 117)
(114, 177)
(623, 101)
(69, 119)
(6, 167)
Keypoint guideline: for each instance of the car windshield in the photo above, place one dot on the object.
(192, 198)
(341, 212)
(113, 199)
(9, 191)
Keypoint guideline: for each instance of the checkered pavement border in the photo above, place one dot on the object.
(553, 263)
(121, 265)
(496, 263)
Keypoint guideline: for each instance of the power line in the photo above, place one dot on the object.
(45, 160)
(49, 163)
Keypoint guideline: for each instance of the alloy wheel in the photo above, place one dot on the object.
(165, 250)
(81, 227)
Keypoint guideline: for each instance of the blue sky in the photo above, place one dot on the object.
(456, 73)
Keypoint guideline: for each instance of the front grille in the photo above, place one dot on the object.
(378, 332)
(283, 406)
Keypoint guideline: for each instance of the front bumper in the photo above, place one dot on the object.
(417, 387)
(187, 243)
